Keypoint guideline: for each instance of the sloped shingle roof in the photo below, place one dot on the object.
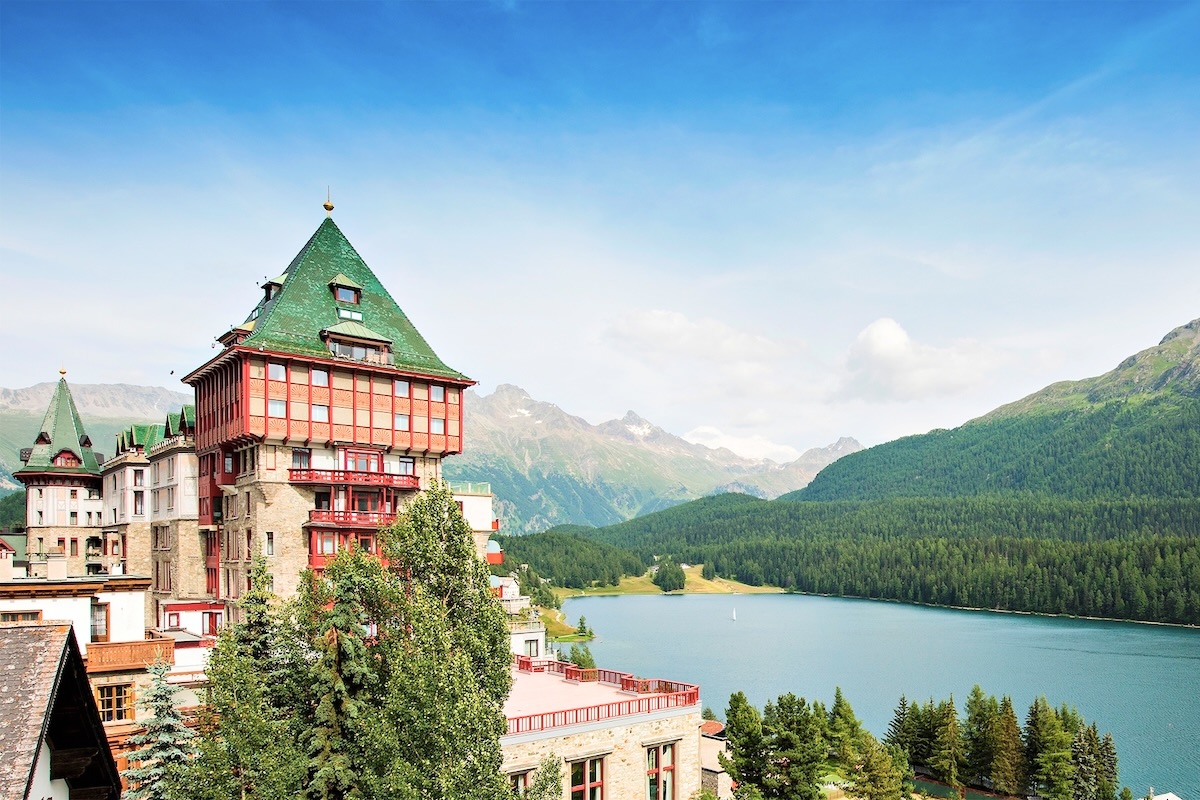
(62, 429)
(293, 319)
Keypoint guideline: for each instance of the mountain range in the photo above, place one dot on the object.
(106, 409)
(546, 466)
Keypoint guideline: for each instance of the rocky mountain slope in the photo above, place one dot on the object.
(548, 467)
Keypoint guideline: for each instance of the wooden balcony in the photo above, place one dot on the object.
(129, 656)
(350, 519)
(342, 477)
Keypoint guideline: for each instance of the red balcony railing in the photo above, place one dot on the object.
(332, 477)
(351, 519)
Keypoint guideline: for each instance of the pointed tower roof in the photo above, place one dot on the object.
(294, 318)
(61, 432)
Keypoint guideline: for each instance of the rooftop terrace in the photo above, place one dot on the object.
(549, 694)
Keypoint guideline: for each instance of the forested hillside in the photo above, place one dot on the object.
(1132, 432)
(1081, 499)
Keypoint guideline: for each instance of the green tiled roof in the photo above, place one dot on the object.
(292, 320)
(144, 436)
(342, 280)
(61, 430)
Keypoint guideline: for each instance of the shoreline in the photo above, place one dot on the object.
(777, 590)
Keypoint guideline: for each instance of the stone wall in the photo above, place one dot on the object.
(622, 743)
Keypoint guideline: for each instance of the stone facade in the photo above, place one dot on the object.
(622, 745)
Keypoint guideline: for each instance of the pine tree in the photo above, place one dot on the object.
(796, 747)
(1008, 773)
(745, 758)
(342, 676)
(946, 758)
(880, 776)
(845, 730)
(581, 656)
(900, 728)
(164, 745)
(1083, 759)
(979, 735)
(1107, 769)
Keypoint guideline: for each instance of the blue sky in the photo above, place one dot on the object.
(757, 224)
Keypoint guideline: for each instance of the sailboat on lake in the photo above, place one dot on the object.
(734, 617)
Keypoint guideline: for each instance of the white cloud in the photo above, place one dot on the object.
(748, 446)
(666, 336)
(885, 364)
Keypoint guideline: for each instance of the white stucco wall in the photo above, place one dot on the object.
(42, 787)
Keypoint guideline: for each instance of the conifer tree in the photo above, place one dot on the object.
(341, 676)
(164, 745)
(899, 732)
(746, 758)
(1008, 772)
(1107, 769)
(880, 776)
(947, 753)
(979, 735)
(795, 750)
(845, 730)
(1083, 759)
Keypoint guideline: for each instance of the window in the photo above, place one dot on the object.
(173, 619)
(139, 477)
(327, 544)
(359, 461)
(269, 544)
(277, 372)
(320, 377)
(170, 498)
(139, 504)
(345, 294)
(229, 462)
(401, 389)
(531, 647)
(74, 519)
(74, 544)
(116, 702)
(587, 779)
(320, 413)
(74, 494)
(93, 494)
(249, 535)
(408, 466)
(437, 394)
(20, 616)
(519, 783)
(277, 408)
(345, 313)
(301, 458)
(401, 422)
(210, 580)
(437, 425)
(99, 622)
(170, 469)
(154, 504)
(660, 772)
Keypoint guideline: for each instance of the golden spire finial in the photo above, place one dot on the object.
(62, 371)
(327, 204)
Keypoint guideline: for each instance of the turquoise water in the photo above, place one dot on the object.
(1141, 682)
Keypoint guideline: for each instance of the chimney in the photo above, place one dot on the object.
(56, 564)
(6, 565)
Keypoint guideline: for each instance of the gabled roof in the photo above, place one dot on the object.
(356, 330)
(62, 429)
(45, 699)
(293, 319)
(143, 436)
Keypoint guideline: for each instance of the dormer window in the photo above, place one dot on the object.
(66, 459)
(345, 290)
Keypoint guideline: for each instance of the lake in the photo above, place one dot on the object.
(1141, 682)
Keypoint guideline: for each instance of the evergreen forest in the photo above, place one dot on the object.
(1083, 499)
